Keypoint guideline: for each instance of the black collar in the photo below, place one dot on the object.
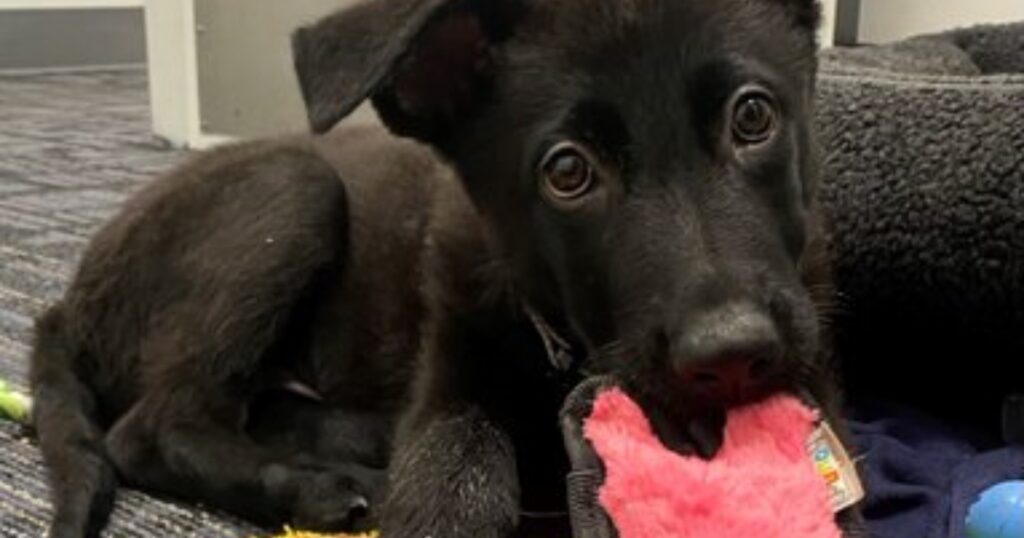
(557, 347)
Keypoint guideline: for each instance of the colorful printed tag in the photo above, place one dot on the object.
(835, 467)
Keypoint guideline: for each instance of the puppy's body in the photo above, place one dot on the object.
(272, 326)
(258, 283)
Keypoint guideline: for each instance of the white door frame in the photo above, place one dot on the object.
(827, 33)
(174, 74)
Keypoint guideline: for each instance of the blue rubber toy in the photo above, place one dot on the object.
(999, 512)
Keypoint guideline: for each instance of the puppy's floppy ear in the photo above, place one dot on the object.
(341, 59)
(425, 63)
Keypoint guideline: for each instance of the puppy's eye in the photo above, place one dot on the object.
(566, 173)
(754, 116)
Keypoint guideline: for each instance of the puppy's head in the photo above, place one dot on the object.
(646, 164)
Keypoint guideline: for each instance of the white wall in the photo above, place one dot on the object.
(888, 20)
(247, 84)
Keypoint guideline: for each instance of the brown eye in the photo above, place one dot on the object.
(753, 117)
(566, 173)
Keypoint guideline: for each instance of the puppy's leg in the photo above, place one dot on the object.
(291, 421)
(174, 444)
(71, 438)
(455, 478)
(244, 264)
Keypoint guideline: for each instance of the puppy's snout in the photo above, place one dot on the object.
(728, 353)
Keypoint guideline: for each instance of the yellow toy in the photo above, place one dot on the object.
(289, 533)
(13, 405)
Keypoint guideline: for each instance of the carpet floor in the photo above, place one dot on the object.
(72, 147)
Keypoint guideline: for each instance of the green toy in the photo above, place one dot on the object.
(13, 405)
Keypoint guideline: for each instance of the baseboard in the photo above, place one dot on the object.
(71, 69)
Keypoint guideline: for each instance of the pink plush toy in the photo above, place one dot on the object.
(764, 482)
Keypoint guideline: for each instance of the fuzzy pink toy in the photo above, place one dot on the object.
(761, 484)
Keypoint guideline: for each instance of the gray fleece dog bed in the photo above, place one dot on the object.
(923, 146)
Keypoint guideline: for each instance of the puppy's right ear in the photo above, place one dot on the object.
(342, 59)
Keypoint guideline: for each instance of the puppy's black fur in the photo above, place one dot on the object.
(635, 176)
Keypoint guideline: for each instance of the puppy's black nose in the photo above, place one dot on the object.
(732, 379)
(728, 353)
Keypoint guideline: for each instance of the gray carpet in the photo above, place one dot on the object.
(72, 147)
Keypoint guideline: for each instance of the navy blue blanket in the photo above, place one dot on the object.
(924, 475)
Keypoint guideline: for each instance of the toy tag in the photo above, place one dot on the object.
(835, 467)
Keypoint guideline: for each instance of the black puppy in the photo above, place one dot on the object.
(620, 187)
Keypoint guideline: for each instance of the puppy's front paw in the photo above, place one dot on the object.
(328, 499)
(331, 501)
